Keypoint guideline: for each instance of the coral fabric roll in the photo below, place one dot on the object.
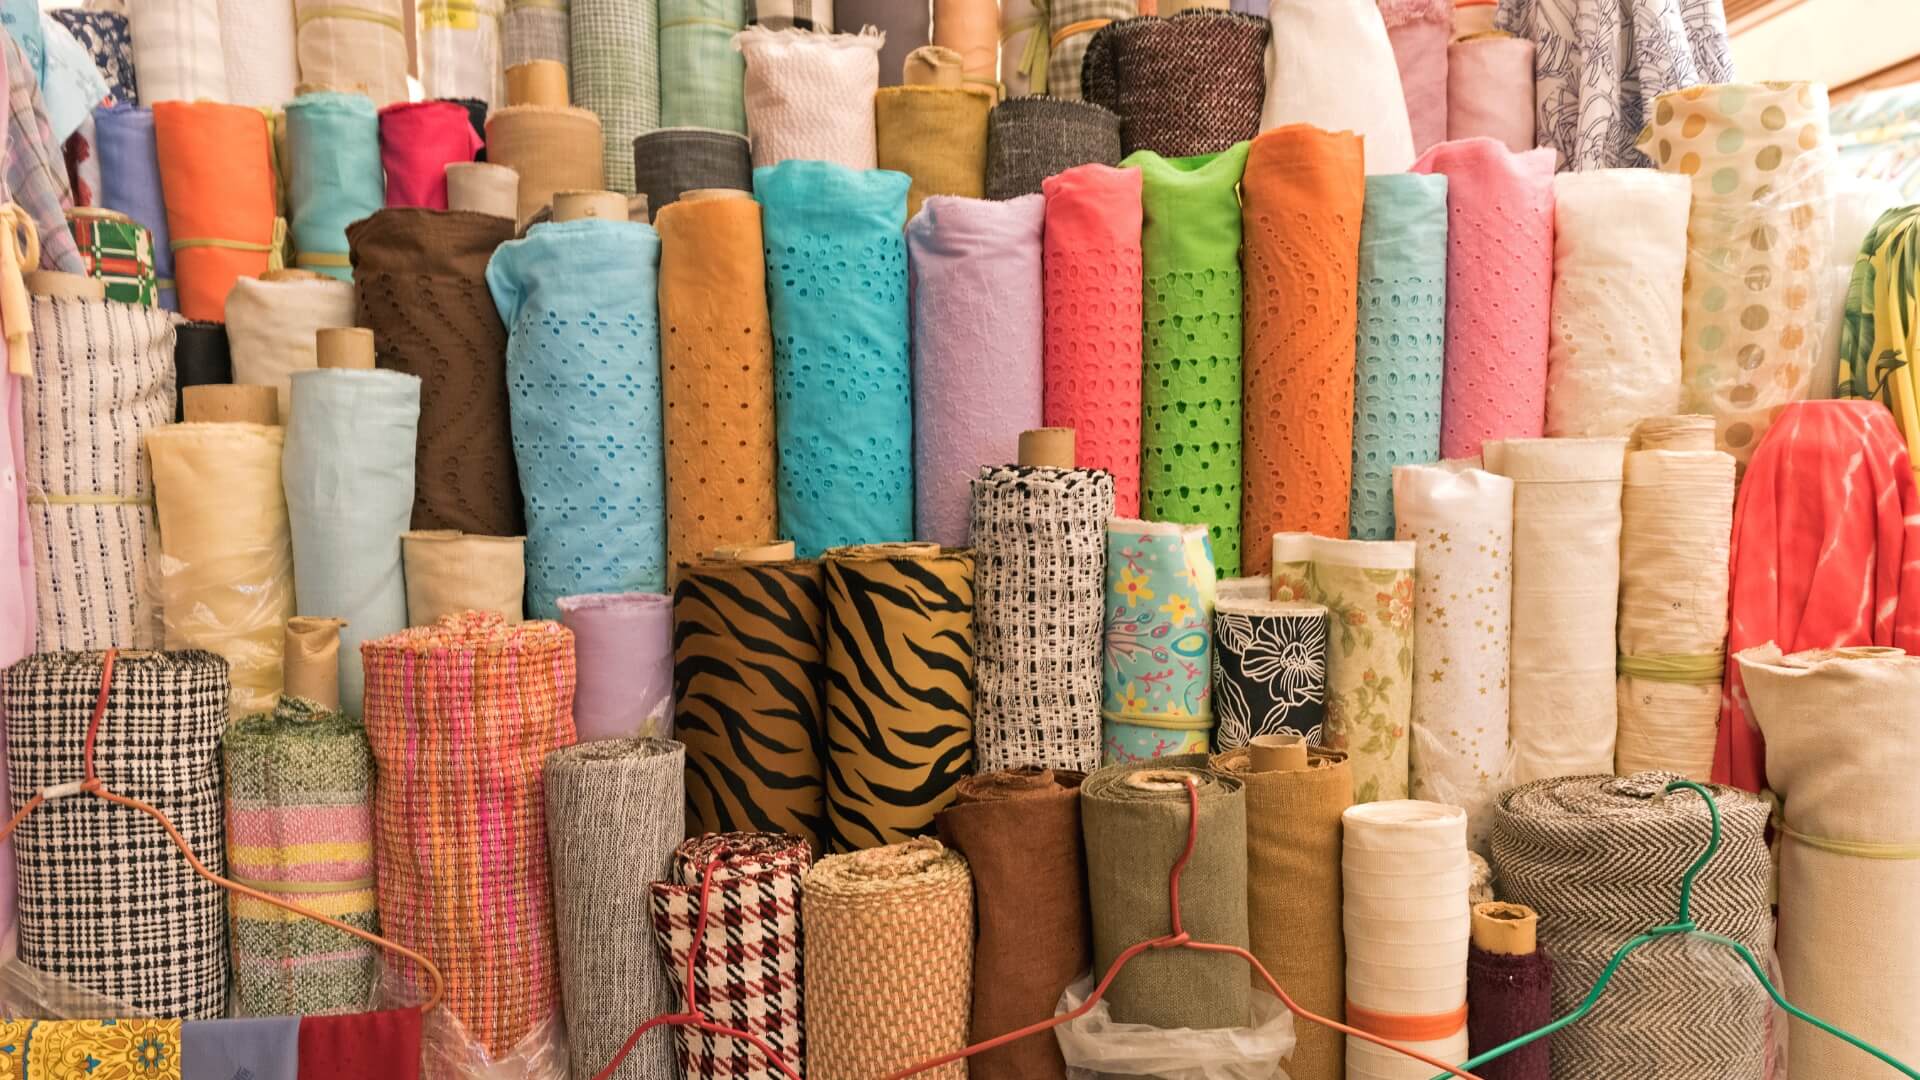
(937, 135)
(1420, 31)
(553, 149)
(810, 95)
(1331, 64)
(1181, 86)
(333, 177)
(1091, 268)
(418, 140)
(216, 167)
(271, 326)
(1490, 90)
(1301, 199)
(623, 650)
(1499, 291)
(975, 281)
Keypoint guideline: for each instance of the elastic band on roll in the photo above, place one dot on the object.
(1674, 667)
(1407, 1029)
(1858, 849)
(1084, 26)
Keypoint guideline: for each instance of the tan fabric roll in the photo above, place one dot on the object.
(312, 662)
(972, 29)
(353, 45)
(271, 326)
(932, 65)
(484, 188)
(552, 149)
(937, 136)
(450, 571)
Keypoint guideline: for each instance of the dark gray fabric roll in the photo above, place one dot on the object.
(669, 161)
(200, 358)
(908, 23)
(1032, 138)
(1191, 84)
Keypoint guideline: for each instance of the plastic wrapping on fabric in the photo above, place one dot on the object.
(448, 1052)
(1097, 1043)
(27, 991)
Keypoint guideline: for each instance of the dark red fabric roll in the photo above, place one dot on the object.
(1508, 996)
(367, 1046)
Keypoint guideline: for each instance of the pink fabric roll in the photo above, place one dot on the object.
(1490, 90)
(17, 613)
(974, 268)
(1499, 290)
(623, 656)
(418, 140)
(1419, 31)
(1092, 294)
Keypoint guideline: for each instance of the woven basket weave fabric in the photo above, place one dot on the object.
(1191, 84)
(1032, 138)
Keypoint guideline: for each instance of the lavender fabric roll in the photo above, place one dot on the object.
(130, 181)
(623, 656)
(1490, 89)
(974, 267)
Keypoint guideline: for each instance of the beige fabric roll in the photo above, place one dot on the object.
(226, 555)
(450, 571)
(312, 659)
(484, 188)
(354, 46)
(271, 324)
(1490, 90)
(972, 29)
(551, 148)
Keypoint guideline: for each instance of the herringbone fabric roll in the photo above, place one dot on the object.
(1188, 85)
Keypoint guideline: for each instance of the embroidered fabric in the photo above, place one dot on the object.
(810, 95)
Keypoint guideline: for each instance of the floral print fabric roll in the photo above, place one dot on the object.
(1156, 668)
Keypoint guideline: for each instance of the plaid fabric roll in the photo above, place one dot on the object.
(614, 47)
(748, 977)
(792, 14)
(106, 900)
(119, 251)
(1072, 24)
(535, 30)
(110, 42)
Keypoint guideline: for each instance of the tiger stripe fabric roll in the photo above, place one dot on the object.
(700, 71)
(1032, 139)
(216, 168)
(810, 95)
(899, 688)
(614, 66)
(1070, 26)
(937, 135)
(1191, 84)
(353, 46)
(333, 176)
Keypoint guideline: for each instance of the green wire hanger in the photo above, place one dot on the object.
(1684, 926)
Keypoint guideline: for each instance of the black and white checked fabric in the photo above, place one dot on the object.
(794, 14)
(106, 900)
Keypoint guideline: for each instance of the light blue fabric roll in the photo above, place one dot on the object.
(837, 295)
(333, 176)
(1402, 340)
(348, 474)
(583, 393)
(130, 181)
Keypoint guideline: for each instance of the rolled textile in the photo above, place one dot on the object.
(753, 906)
(1156, 661)
(1070, 26)
(226, 556)
(849, 427)
(334, 147)
(1039, 542)
(749, 643)
(107, 35)
(810, 96)
(299, 784)
(552, 148)
(1091, 285)
(1419, 31)
(534, 30)
(1293, 891)
(257, 45)
(1676, 517)
(420, 277)
(70, 86)
(1186, 85)
(216, 167)
(353, 45)
(201, 357)
(271, 327)
(615, 813)
(1600, 858)
(1331, 64)
(972, 29)
(483, 188)
(1404, 880)
(176, 45)
(1301, 203)
(1879, 340)
(1460, 520)
(792, 14)
(1190, 428)
(460, 51)
(1031, 139)
(1499, 291)
(1509, 995)
(1489, 89)
(908, 26)
(418, 140)
(889, 959)
(937, 135)
(448, 572)
(1136, 820)
(477, 110)
(671, 161)
(1269, 670)
(1857, 206)
(130, 182)
(117, 250)
(614, 67)
(1020, 833)
(700, 71)
(103, 379)
(623, 654)
(1024, 43)
(460, 716)
(37, 179)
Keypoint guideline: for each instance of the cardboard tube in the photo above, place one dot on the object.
(778, 551)
(344, 347)
(1506, 929)
(932, 65)
(293, 273)
(574, 205)
(58, 283)
(702, 194)
(483, 188)
(313, 659)
(1157, 780)
(97, 213)
(538, 82)
(224, 403)
(1052, 446)
(1279, 753)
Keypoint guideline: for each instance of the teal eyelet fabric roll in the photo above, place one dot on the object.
(837, 295)
(334, 176)
(701, 74)
(583, 392)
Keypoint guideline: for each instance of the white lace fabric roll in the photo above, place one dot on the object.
(810, 95)
(271, 327)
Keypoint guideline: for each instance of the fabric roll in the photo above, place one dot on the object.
(1331, 64)
(1600, 859)
(418, 140)
(460, 51)
(103, 379)
(1419, 31)
(216, 167)
(614, 67)
(1509, 996)
(460, 716)
(937, 135)
(1020, 833)
(1857, 206)
(1039, 542)
(1024, 43)
(226, 557)
(1156, 659)
(333, 143)
(130, 182)
(1460, 521)
(972, 29)
(1620, 256)
(534, 30)
(483, 188)
(1490, 90)
(257, 47)
(623, 653)
(908, 26)
(671, 161)
(271, 328)
(1269, 670)
(551, 148)
(177, 47)
(108, 38)
(1191, 84)
(449, 572)
(1499, 291)
(700, 71)
(119, 252)
(201, 357)
(846, 420)
(1301, 206)
(810, 96)
(477, 110)
(299, 784)
(1190, 431)
(36, 164)
(1070, 26)
(792, 14)
(749, 643)
(70, 84)
(1136, 821)
(353, 45)
(420, 276)
(1878, 340)
(1031, 139)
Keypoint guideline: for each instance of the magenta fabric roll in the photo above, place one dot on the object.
(1419, 31)
(974, 267)
(418, 140)
(623, 656)
(1490, 91)
(1499, 289)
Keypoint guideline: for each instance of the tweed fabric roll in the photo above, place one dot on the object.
(615, 813)
(1419, 31)
(534, 30)
(700, 71)
(671, 161)
(614, 66)
(1030, 139)
(810, 96)
(552, 148)
(201, 357)
(1191, 84)
(623, 655)
(130, 182)
(908, 26)
(118, 251)
(418, 140)
(1509, 996)
(353, 45)
(334, 178)
(1070, 27)
(1600, 859)
(1155, 668)
(1269, 670)
(108, 38)
(1330, 63)
(106, 901)
(449, 572)
(176, 43)
(271, 328)
(937, 135)
(216, 168)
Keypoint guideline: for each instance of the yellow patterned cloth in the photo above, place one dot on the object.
(89, 1050)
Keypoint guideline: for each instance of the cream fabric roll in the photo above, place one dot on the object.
(1566, 583)
(271, 324)
(1676, 521)
(461, 49)
(449, 571)
(810, 95)
(1460, 521)
(484, 188)
(1857, 204)
(1490, 90)
(353, 45)
(1330, 64)
(1619, 263)
(177, 51)
(256, 43)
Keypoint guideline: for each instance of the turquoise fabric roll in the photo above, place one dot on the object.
(837, 295)
(1402, 341)
(583, 394)
(702, 75)
(348, 474)
(333, 176)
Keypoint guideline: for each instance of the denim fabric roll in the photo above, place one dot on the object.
(701, 73)
(130, 181)
(334, 177)
(671, 161)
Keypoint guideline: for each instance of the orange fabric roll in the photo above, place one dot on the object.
(216, 173)
(1300, 219)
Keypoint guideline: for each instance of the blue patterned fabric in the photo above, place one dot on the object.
(333, 152)
(106, 36)
(21, 18)
(73, 85)
(130, 182)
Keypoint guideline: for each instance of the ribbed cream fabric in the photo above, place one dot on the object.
(271, 324)
(450, 571)
(256, 42)
(177, 51)
(810, 95)
(353, 45)
(1330, 64)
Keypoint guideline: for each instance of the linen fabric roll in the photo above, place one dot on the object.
(418, 140)
(257, 47)
(108, 37)
(972, 29)
(176, 43)
(840, 348)
(671, 161)
(1070, 26)
(1190, 427)
(271, 326)
(1031, 139)
(1270, 670)
(216, 167)
(810, 96)
(937, 135)
(130, 182)
(1181, 86)
(483, 188)
(614, 67)
(534, 30)
(1418, 31)
(1330, 63)
(449, 572)
(460, 51)
(1400, 357)
(353, 45)
(1499, 291)
(1301, 206)
(200, 358)
(623, 656)
(118, 251)
(1156, 663)
(334, 179)
(552, 148)
(908, 26)
(1490, 90)
(700, 71)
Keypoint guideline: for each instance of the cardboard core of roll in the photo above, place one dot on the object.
(778, 551)
(1157, 780)
(1506, 929)
(538, 82)
(58, 283)
(313, 659)
(349, 347)
(574, 205)
(224, 403)
(293, 273)
(707, 194)
(1047, 446)
(483, 187)
(638, 210)
(932, 65)
(1278, 753)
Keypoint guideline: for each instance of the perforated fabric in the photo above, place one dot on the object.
(614, 66)
(810, 95)
(1191, 84)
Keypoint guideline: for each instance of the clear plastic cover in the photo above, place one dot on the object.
(1097, 1044)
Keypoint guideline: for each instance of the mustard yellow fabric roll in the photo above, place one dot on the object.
(937, 135)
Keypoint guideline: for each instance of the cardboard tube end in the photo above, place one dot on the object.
(1279, 753)
(312, 659)
(1051, 446)
(1506, 929)
(778, 551)
(349, 347)
(224, 403)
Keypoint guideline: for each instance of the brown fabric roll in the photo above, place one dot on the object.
(422, 285)
(1191, 84)
(1020, 832)
(553, 148)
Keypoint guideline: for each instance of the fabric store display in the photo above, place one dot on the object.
(1156, 662)
(353, 46)
(1880, 338)
(1857, 206)
(130, 182)
(418, 140)
(448, 572)
(1509, 991)
(1490, 90)
(90, 872)
(1269, 670)
(420, 278)
(1070, 26)
(972, 29)
(1347, 80)
(614, 67)
(834, 330)
(460, 52)
(148, 1048)
(257, 47)
(107, 37)
(700, 71)
(1500, 248)
(671, 161)
(937, 135)
(1032, 139)
(216, 167)
(533, 30)
(271, 327)
(552, 148)
(907, 27)
(1600, 858)
(200, 358)
(1419, 32)
(177, 48)
(1181, 86)
(119, 251)
(1619, 260)
(1401, 352)
(334, 162)
(810, 96)
(623, 653)
(477, 110)
(483, 188)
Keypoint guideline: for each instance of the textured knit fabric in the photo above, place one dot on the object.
(271, 329)
(535, 30)
(333, 167)
(176, 45)
(353, 45)
(1880, 336)
(1187, 85)
(201, 357)
(148, 1049)
(418, 140)
(700, 71)
(1030, 139)
(1507, 997)
(1070, 26)
(908, 26)
(216, 168)
(614, 66)
(792, 14)
(119, 252)
(107, 37)
(1156, 697)
(623, 652)
(130, 182)
(1269, 670)
(36, 170)
(1419, 31)
(810, 96)
(1330, 63)
(460, 51)
(552, 149)
(937, 135)
(671, 161)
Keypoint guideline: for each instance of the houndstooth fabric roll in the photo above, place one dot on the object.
(748, 975)
(1191, 84)
(793, 15)
(106, 901)
(534, 30)
(1032, 138)
(1039, 538)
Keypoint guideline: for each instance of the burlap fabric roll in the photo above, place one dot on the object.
(553, 148)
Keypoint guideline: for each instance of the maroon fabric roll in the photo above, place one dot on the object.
(418, 140)
(1508, 996)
